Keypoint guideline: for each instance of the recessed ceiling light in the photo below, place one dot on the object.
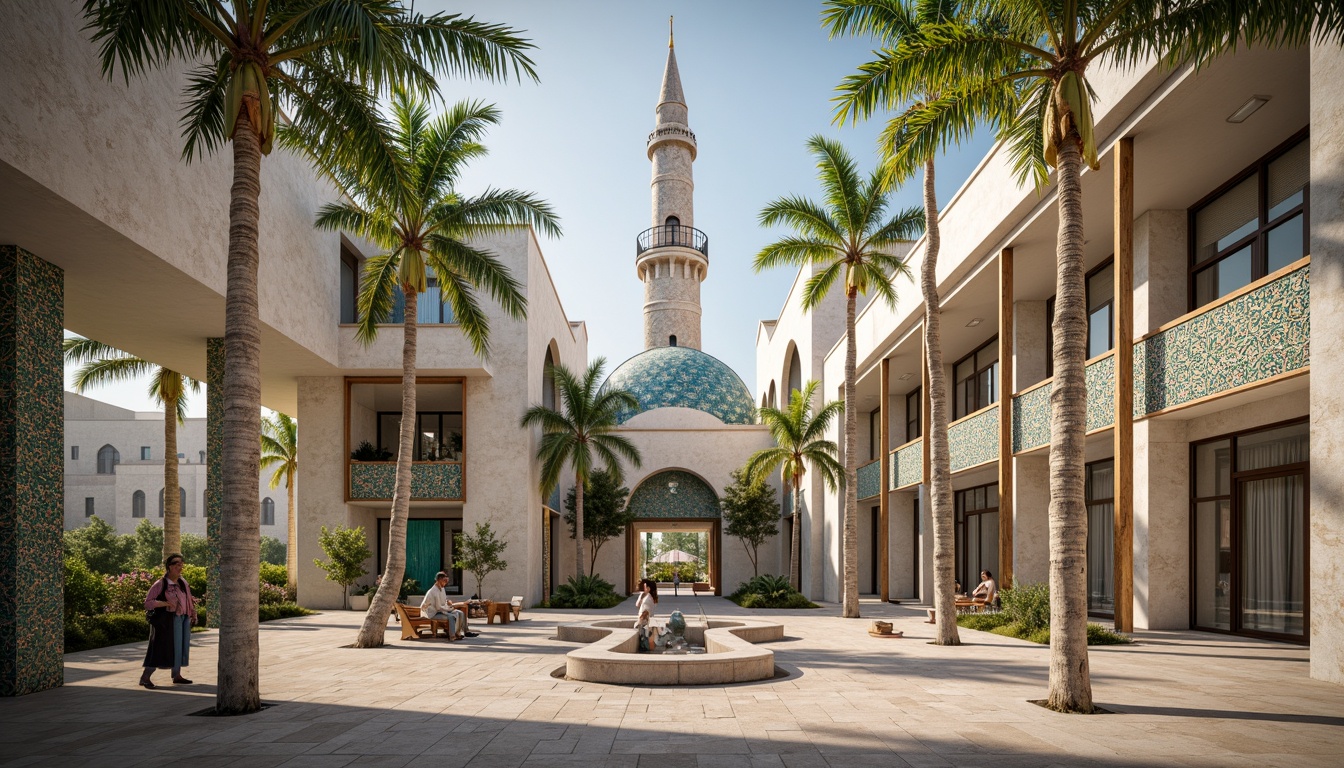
(1247, 109)
(975, 321)
(905, 376)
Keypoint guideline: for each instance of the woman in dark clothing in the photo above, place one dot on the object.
(174, 611)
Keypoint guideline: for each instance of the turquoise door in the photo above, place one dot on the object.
(424, 551)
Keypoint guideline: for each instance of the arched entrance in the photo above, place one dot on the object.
(674, 509)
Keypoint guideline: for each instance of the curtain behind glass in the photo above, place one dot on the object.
(1272, 555)
(1101, 538)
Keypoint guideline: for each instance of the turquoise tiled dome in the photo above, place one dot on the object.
(681, 377)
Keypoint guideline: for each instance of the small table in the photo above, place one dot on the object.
(502, 611)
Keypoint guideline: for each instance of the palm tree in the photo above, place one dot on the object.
(1023, 65)
(580, 433)
(848, 235)
(102, 365)
(425, 226)
(324, 62)
(861, 94)
(800, 440)
(280, 449)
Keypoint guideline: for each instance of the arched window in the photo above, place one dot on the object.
(108, 459)
(267, 511)
(672, 341)
(548, 382)
(795, 375)
(202, 457)
(673, 221)
(138, 504)
(181, 502)
(771, 399)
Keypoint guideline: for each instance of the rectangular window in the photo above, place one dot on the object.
(349, 286)
(88, 506)
(977, 533)
(914, 402)
(1099, 487)
(74, 453)
(430, 309)
(976, 379)
(1100, 298)
(438, 434)
(1255, 226)
(144, 453)
(874, 433)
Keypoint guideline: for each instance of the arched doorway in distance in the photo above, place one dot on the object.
(674, 506)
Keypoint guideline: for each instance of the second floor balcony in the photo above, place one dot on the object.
(672, 235)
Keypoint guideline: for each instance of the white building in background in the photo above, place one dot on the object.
(114, 469)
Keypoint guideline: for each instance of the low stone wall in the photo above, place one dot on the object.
(731, 656)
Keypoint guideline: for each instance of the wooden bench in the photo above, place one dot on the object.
(701, 586)
(413, 624)
(494, 610)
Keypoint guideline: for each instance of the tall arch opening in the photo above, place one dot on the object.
(677, 529)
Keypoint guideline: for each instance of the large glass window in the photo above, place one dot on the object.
(977, 541)
(430, 308)
(108, 459)
(349, 286)
(1250, 532)
(1100, 298)
(1099, 487)
(1254, 227)
(438, 434)
(375, 420)
(976, 376)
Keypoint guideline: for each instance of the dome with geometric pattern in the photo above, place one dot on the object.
(681, 377)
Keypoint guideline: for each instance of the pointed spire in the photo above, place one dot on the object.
(671, 80)
(670, 37)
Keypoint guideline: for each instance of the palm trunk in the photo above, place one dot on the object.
(1070, 680)
(578, 524)
(940, 461)
(375, 621)
(240, 524)
(292, 543)
(172, 504)
(850, 605)
(795, 557)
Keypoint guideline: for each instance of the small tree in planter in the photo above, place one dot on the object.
(751, 514)
(605, 514)
(480, 554)
(346, 550)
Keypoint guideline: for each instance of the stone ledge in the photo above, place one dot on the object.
(730, 657)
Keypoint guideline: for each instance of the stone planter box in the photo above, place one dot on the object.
(359, 602)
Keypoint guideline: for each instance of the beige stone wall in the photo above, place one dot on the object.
(322, 463)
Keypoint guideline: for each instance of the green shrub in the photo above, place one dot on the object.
(792, 600)
(105, 629)
(269, 594)
(194, 576)
(768, 591)
(985, 622)
(283, 611)
(99, 546)
(1099, 635)
(662, 572)
(273, 550)
(85, 591)
(277, 575)
(591, 591)
(126, 592)
(1027, 605)
(195, 549)
(1000, 624)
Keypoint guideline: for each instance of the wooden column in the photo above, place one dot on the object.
(1124, 385)
(884, 496)
(925, 450)
(1006, 417)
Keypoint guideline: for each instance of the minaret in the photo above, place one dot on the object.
(672, 257)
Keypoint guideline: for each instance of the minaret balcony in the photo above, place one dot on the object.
(672, 235)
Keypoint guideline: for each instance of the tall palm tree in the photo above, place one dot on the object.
(861, 94)
(101, 364)
(579, 434)
(1023, 65)
(850, 235)
(280, 449)
(800, 440)
(425, 226)
(324, 62)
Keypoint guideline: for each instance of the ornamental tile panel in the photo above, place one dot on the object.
(214, 471)
(681, 377)
(32, 465)
(1256, 336)
(1100, 382)
(870, 479)
(1031, 419)
(907, 465)
(429, 481)
(674, 493)
(974, 441)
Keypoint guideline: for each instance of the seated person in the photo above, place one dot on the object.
(437, 606)
(987, 592)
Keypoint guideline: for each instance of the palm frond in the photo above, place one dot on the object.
(795, 252)
(805, 216)
(377, 294)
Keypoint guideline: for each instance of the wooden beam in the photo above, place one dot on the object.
(884, 497)
(924, 412)
(1124, 385)
(1006, 417)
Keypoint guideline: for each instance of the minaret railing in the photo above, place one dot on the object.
(672, 235)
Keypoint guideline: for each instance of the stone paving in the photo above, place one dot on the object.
(1179, 698)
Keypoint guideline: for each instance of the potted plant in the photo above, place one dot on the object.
(366, 451)
(359, 599)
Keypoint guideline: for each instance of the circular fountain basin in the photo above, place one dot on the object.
(731, 655)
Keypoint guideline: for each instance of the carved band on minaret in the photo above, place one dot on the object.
(672, 256)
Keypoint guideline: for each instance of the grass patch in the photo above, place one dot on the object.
(1002, 624)
(283, 611)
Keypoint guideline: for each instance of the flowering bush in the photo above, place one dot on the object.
(272, 595)
(126, 592)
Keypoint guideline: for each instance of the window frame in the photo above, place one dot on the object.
(975, 377)
(1258, 240)
(914, 425)
(1087, 302)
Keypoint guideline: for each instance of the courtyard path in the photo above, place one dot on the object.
(1179, 698)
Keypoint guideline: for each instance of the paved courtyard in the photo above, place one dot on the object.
(1179, 698)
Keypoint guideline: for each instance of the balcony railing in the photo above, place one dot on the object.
(870, 479)
(436, 481)
(669, 235)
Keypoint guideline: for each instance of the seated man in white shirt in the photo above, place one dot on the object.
(437, 606)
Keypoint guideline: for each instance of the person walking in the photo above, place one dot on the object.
(676, 580)
(171, 611)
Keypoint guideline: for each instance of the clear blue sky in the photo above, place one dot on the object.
(758, 76)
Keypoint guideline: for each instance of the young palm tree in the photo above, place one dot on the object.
(425, 226)
(280, 449)
(1024, 65)
(861, 94)
(848, 235)
(101, 365)
(324, 62)
(800, 440)
(579, 434)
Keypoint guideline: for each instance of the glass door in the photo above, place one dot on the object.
(1271, 581)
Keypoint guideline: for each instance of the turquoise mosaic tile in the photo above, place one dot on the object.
(975, 440)
(681, 377)
(375, 480)
(1031, 419)
(1261, 334)
(32, 467)
(870, 479)
(907, 465)
(674, 493)
(214, 470)
(1099, 378)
